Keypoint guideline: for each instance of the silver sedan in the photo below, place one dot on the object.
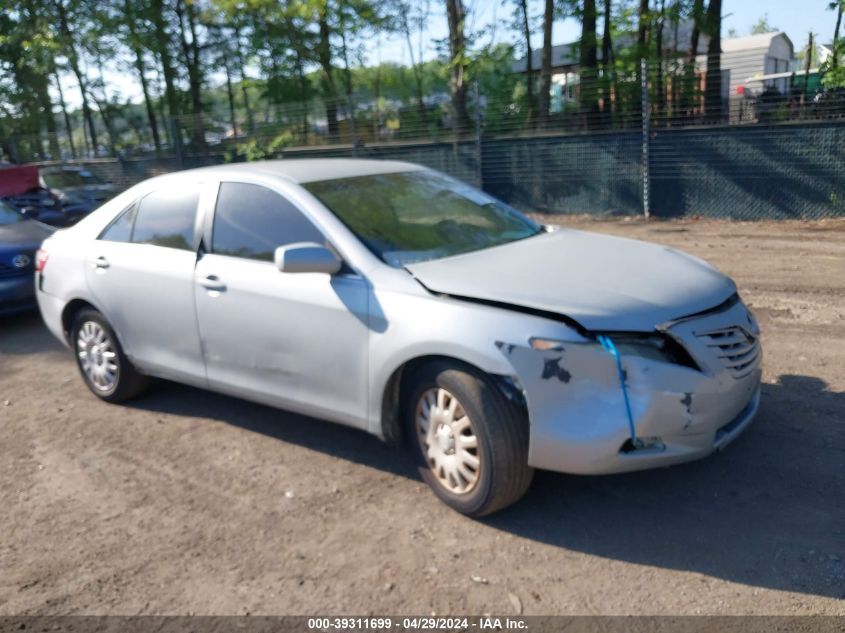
(392, 298)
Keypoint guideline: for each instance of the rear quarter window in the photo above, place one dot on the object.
(120, 230)
(166, 218)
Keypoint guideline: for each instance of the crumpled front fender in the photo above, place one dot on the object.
(577, 412)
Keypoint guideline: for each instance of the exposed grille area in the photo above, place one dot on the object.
(736, 349)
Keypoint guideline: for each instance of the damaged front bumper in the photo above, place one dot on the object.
(577, 412)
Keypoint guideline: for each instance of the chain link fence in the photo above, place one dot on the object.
(653, 141)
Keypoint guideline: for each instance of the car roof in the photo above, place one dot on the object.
(302, 170)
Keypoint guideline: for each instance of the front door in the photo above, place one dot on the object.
(294, 340)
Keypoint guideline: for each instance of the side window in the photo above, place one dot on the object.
(251, 221)
(120, 230)
(166, 218)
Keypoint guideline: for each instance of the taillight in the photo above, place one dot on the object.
(41, 257)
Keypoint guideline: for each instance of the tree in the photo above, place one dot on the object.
(611, 89)
(404, 11)
(186, 16)
(546, 64)
(161, 45)
(833, 69)
(762, 26)
(589, 63)
(523, 20)
(135, 40)
(834, 56)
(642, 28)
(713, 84)
(658, 54)
(697, 20)
(67, 40)
(456, 16)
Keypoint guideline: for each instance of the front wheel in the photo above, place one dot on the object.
(470, 441)
(106, 370)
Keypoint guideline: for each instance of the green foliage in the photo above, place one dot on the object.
(259, 148)
(219, 72)
(762, 25)
(833, 74)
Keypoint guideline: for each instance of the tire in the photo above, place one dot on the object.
(102, 363)
(492, 430)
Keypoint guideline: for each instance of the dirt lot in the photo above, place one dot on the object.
(190, 502)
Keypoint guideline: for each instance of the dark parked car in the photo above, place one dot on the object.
(20, 238)
(76, 186)
(20, 189)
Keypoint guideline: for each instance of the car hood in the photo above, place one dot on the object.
(24, 235)
(604, 283)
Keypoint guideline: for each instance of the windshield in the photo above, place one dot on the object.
(70, 178)
(8, 215)
(416, 216)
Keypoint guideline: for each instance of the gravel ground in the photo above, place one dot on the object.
(191, 502)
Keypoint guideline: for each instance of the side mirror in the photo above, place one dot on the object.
(306, 257)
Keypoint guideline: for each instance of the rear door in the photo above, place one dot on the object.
(141, 271)
(295, 340)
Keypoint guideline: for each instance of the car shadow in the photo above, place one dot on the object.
(318, 435)
(768, 511)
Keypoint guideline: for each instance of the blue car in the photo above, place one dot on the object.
(20, 238)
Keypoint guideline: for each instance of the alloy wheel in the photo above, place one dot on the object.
(97, 356)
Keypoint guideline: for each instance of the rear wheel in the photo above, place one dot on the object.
(101, 361)
(470, 441)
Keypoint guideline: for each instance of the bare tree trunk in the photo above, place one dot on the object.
(134, 44)
(589, 64)
(105, 109)
(457, 61)
(73, 59)
(658, 45)
(324, 55)
(643, 28)
(191, 56)
(546, 64)
(690, 87)
(68, 126)
(347, 79)
(415, 66)
(835, 53)
(230, 95)
(162, 39)
(607, 58)
(675, 86)
(303, 86)
(41, 86)
(713, 85)
(808, 63)
(250, 118)
(529, 62)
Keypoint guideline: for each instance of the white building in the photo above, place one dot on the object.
(753, 56)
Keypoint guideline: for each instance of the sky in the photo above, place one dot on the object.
(797, 19)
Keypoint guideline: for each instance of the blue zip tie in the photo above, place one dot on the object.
(609, 347)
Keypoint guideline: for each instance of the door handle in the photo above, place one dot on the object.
(212, 282)
(101, 262)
